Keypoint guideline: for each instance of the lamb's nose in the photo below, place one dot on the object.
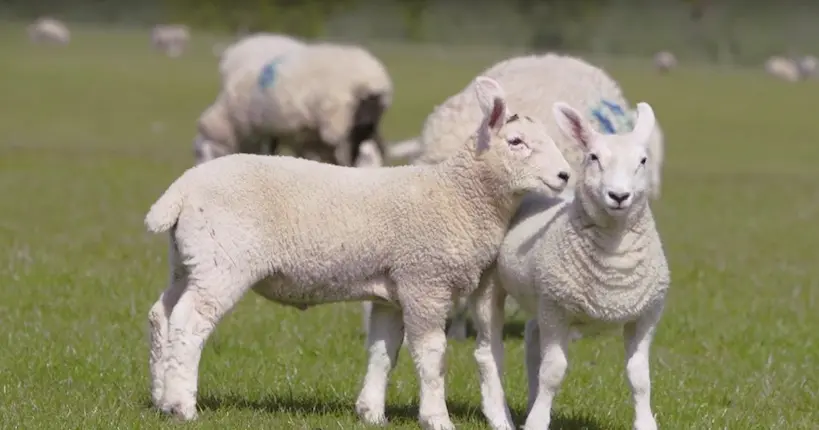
(564, 176)
(619, 197)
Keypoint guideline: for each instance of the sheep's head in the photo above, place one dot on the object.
(519, 147)
(615, 171)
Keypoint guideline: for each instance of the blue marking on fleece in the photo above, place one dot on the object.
(612, 117)
(268, 74)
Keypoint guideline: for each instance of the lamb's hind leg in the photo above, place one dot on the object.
(384, 339)
(637, 338)
(205, 300)
(425, 320)
(158, 323)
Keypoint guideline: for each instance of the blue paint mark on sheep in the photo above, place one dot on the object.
(268, 74)
(612, 117)
(605, 124)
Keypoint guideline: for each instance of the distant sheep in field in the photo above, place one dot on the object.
(170, 39)
(664, 61)
(782, 68)
(808, 66)
(48, 31)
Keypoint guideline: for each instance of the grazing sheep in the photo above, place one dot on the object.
(256, 50)
(782, 68)
(48, 31)
(302, 98)
(171, 39)
(808, 66)
(302, 233)
(533, 83)
(664, 61)
(586, 264)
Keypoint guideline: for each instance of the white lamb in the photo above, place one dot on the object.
(664, 61)
(48, 31)
(782, 68)
(593, 262)
(170, 39)
(302, 98)
(302, 233)
(256, 49)
(533, 83)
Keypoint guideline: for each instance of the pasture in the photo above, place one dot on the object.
(92, 134)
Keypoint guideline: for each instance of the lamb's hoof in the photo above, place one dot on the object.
(370, 416)
(437, 423)
(179, 411)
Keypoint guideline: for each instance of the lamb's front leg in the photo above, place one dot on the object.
(487, 304)
(554, 343)
(531, 352)
(384, 338)
(425, 311)
(637, 338)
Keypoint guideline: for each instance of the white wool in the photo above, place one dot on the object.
(534, 83)
(782, 68)
(299, 99)
(170, 39)
(256, 49)
(808, 66)
(48, 31)
(588, 262)
(664, 61)
(303, 233)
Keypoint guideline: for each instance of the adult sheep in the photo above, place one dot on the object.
(783, 68)
(170, 39)
(664, 61)
(533, 83)
(255, 49)
(300, 99)
(48, 31)
(304, 233)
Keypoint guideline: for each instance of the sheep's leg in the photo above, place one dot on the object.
(554, 342)
(637, 338)
(531, 348)
(487, 304)
(425, 320)
(158, 323)
(203, 303)
(386, 334)
(366, 311)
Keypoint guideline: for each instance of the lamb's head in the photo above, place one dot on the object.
(614, 174)
(518, 147)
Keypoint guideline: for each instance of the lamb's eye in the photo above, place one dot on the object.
(643, 161)
(593, 157)
(515, 141)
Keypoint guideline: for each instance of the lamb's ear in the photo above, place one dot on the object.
(572, 124)
(645, 123)
(492, 100)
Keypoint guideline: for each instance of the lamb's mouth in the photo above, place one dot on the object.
(558, 189)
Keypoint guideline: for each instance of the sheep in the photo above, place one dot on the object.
(532, 83)
(299, 99)
(591, 262)
(782, 68)
(808, 66)
(255, 49)
(303, 233)
(664, 61)
(171, 39)
(48, 31)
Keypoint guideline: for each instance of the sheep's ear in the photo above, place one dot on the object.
(645, 123)
(492, 100)
(572, 124)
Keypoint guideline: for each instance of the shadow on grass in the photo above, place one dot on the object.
(402, 413)
(512, 329)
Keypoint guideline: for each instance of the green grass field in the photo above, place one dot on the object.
(92, 134)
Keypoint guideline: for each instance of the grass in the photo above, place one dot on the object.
(92, 134)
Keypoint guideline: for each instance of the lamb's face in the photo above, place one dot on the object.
(524, 150)
(615, 169)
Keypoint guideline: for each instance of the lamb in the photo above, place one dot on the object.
(303, 233)
(302, 98)
(782, 68)
(664, 61)
(171, 39)
(592, 262)
(255, 49)
(808, 66)
(48, 31)
(533, 83)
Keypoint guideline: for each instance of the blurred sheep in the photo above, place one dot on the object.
(170, 39)
(782, 68)
(48, 31)
(808, 66)
(664, 61)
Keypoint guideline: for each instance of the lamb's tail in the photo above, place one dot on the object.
(165, 212)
